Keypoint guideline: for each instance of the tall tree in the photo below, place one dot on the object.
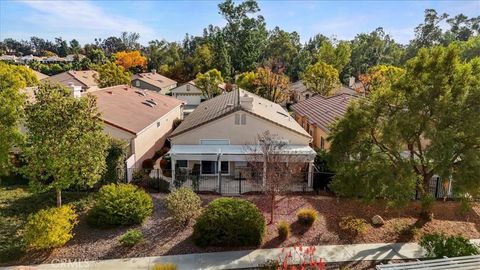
(208, 82)
(427, 123)
(245, 34)
(131, 61)
(271, 85)
(379, 77)
(73, 150)
(337, 55)
(375, 48)
(321, 78)
(110, 74)
(12, 102)
(282, 48)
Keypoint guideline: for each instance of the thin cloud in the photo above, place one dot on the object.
(81, 16)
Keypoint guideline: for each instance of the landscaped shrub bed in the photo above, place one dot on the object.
(120, 204)
(229, 222)
(50, 228)
(131, 238)
(439, 246)
(307, 216)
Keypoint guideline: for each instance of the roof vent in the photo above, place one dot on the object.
(110, 92)
(151, 101)
(140, 92)
(229, 105)
(148, 104)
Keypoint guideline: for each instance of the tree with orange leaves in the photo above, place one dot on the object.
(131, 61)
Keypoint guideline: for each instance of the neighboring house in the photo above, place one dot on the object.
(40, 76)
(86, 79)
(71, 57)
(142, 118)
(219, 135)
(9, 58)
(299, 91)
(318, 113)
(190, 94)
(153, 81)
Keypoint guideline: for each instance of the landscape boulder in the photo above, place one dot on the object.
(377, 220)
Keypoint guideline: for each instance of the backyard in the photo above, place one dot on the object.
(162, 237)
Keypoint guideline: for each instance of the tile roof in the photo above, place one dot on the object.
(154, 79)
(323, 111)
(84, 77)
(300, 87)
(229, 102)
(127, 108)
(40, 76)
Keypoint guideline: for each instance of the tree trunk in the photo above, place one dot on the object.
(59, 197)
(272, 208)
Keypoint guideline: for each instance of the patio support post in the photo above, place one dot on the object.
(310, 174)
(264, 174)
(173, 170)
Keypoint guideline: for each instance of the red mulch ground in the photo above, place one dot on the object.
(163, 238)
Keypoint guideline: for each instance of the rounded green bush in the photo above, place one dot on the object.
(120, 204)
(307, 216)
(229, 222)
(131, 238)
(50, 228)
(183, 205)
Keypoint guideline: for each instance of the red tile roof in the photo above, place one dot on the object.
(323, 111)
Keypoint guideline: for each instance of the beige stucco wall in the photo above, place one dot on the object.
(149, 140)
(225, 128)
(316, 132)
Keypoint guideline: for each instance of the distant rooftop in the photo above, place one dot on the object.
(132, 109)
(323, 111)
(155, 79)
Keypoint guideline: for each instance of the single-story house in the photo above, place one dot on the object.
(153, 81)
(86, 79)
(143, 118)
(219, 136)
(318, 113)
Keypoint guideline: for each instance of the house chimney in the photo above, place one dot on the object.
(351, 82)
(154, 71)
(246, 101)
(76, 90)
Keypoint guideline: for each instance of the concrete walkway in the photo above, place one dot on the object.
(248, 258)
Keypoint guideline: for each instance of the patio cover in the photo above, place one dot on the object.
(467, 262)
(234, 152)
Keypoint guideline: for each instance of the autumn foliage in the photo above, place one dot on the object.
(130, 60)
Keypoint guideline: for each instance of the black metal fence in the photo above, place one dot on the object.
(236, 183)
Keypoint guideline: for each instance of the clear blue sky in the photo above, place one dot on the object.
(171, 20)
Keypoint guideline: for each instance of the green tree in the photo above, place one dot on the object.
(111, 74)
(208, 82)
(12, 102)
(282, 48)
(246, 81)
(373, 49)
(321, 78)
(379, 77)
(427, 123)
(337, 55)
(202, 59)
(245, 34)
(65, 145)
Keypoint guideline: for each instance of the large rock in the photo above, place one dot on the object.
(377, 220)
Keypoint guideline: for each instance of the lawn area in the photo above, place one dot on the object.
(16, 203)
(164, 238)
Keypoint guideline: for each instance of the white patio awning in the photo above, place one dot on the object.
(234, 152)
